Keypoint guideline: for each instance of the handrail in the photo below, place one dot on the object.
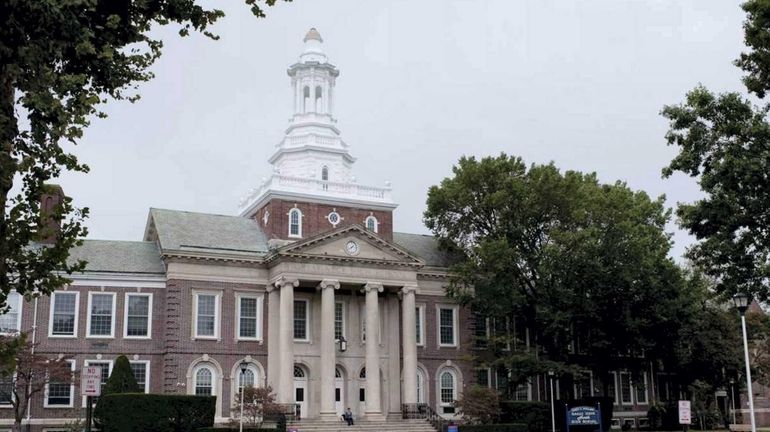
(424, 411)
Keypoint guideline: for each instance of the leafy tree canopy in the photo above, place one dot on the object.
(584, 264)
(59, 61)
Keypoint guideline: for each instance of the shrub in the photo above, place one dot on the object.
(536, 415)
(480, 404)
(512, 427)
(121, 380)
(235, 429)
(258, 402)
(139, 412)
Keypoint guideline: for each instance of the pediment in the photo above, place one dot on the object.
(352, 243)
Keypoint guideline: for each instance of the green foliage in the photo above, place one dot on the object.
(235, 429)
(59, 61)
(281, 424)
(724, 142)
(121, 379)
(479, 404)
(756, 63)
(536, 415)
(258, 402)
(512, 427)
(138, 412)
(567, 255)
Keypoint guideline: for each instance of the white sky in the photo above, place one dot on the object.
(421, 84)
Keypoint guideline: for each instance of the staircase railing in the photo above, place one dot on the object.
(424, 411)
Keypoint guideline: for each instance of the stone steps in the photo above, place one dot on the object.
(363, 426)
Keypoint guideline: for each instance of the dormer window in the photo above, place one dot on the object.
(371, 223)
(295, 223)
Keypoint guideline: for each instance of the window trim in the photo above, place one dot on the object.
(307, 320)
(590, 385)
(344, 320)
(421, 320)
(214, 377)
(260, 306)
(455, 384)
(646, 391)
(376, 223)
(146, 373)
(615, 387)
(149, 315)
(455, 330)
(18, 313)
(51, 304)
(299, 222)
(72, 390)
(630, 389)
(236, 380)
(13, 396)
(217, 314)
(91, 294)
(488, 372)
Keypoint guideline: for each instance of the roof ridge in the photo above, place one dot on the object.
(198, 213)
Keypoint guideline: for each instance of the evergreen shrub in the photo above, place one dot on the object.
(511, 427)
(139, 412)
(535, 415)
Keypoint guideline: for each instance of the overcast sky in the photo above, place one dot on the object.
(421, 83)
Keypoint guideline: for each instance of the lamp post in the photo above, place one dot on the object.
(732, 398)
(553, 411)
(244, 367)
(742, 303)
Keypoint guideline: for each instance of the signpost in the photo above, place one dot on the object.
(685, 415)
(584, 416)
(90, 386)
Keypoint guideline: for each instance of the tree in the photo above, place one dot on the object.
(724, 142)
(26, 373)
(257, 403)
(59, 61)
(121, 379)
(582, 264)
(479, 404)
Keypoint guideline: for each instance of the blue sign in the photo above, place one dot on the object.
(583, 415)
(452, 428)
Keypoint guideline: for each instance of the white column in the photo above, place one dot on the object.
(328, 351)
(273, 307)
(285, 389)
(373, 406)
(409, 338)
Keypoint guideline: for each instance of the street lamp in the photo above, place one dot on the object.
(244, 367)
(343, 344)
(741, 302)
(553, 411)
(732, 398)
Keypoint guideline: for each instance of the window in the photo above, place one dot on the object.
(250, 378)
(523, 392)
(204, 381)
(207, 315)
(10, 322)
(420, 386)
(641, 389)
(249, 314)
(447, 391)
(101, 310)
(64, 314)
(612, 388)
(372, 224)
(6, 390)
(625, 388)
(325, 173)
(300, 320)
(583, 385)
(339, 320)
(447, 325)
(138, 316)
(482, 377)
(60, 393)
(141, 370)
(419, 315)
(106, 371)
(295, 223)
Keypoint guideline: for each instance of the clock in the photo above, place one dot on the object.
(351, 248)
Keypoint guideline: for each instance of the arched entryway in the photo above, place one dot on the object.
(339, 390)
(362, 392)
(301, 389)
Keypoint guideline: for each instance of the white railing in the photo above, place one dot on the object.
(302, 140)
(284, 183)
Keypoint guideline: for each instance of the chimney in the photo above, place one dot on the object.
(50, 219)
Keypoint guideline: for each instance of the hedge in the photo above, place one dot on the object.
(536, 416)
(139, 412)
(235, 429)
(511, 427)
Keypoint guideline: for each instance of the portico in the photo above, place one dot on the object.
(371, 305)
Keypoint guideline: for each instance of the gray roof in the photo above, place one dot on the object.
(202, 231)
(425, 247)
(119, 256)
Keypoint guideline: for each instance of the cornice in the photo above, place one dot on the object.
(198, 256)
(271, 194)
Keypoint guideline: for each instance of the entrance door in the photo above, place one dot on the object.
(300, 390)
(339, 386)
(362, 392)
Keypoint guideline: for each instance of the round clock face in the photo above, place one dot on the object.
(351, 248)
(334, 218)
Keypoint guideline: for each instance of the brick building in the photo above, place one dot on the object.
(311, 260)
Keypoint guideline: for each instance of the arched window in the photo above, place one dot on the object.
(204, 381)
(447, 388)
(420, 386)
(305, 98)
(248, 378)
(298, 372)
(295, 223)
(337, 373)
(362, 375)
(318, 99)
(372, 224)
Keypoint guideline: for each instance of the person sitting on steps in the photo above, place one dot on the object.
(348, 416)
